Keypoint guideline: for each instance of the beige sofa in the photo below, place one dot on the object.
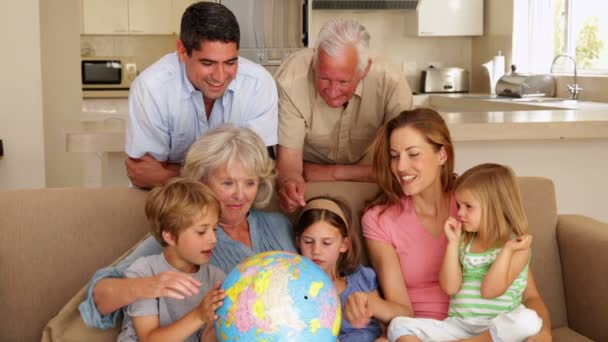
(52, 240)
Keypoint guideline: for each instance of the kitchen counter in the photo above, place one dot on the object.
(96, 138)
(527, 125)
(535, 139)
(103, 123)
(469, 118)
(477, 117)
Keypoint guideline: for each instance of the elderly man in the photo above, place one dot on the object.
(332, 101)
(184, 94)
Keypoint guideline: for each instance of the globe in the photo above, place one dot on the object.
(278, 296)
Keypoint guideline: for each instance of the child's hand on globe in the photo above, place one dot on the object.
(211, 302)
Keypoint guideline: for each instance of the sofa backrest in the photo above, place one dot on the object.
(538, 195)
(46, 230)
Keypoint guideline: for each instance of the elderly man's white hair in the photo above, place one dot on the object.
(337, 34)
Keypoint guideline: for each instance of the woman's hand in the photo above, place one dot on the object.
(357, 311)
(111, 294)
(170, 284)
(453, 229)
(212, 301)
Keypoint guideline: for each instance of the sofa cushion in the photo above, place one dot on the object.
(52, 241)
(538, 196)
(68, 325)
(565, 334)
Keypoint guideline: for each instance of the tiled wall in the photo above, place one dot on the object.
(145, 49)
(411, 54)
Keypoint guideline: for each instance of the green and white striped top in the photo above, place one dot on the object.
(468, 302)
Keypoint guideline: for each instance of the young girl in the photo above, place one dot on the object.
(485, 268)
(324, 235)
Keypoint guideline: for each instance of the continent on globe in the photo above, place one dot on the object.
(278, 296)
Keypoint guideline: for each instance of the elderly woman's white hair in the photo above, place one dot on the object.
(226, 145)
(337, 34)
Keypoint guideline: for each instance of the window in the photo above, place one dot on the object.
(544, 29)
(581, 30)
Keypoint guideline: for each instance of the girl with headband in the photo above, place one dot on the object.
(324, 235)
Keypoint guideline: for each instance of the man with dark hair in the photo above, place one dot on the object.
(185, 93)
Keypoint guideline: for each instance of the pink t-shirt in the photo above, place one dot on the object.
(420, 254)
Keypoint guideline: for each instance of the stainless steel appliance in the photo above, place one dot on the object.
(270, 29)
(524, 85)
(444, 80)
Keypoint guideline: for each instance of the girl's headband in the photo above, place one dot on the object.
(325, 204)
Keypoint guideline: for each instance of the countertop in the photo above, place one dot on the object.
(482, 117)
(470, 117)
(103, 122)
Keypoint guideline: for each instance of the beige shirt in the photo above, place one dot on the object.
(329, 135)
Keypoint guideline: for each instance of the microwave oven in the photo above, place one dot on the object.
(107, 73)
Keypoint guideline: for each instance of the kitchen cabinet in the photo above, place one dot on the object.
(445, 18)
(127, 16)
(105, 16)
(150, 16)
(177, 10)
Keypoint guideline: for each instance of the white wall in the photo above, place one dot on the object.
(60, 50)
(21, 97)
(577, 167)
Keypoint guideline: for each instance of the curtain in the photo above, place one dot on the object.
(541, 37)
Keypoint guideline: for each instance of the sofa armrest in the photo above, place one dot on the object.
(583, 246)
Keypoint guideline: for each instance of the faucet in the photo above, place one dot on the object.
(573, 89)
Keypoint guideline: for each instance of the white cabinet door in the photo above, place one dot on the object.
(105, 16)
(446, 18)
(150, 17)
(177, 10)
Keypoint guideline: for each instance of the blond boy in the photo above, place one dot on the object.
(183, 216)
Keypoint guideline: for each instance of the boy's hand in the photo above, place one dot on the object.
(357, 311)
(520, 243)
(211, 302)
(453, 229)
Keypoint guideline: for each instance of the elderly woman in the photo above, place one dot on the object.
(403, 225)
(234, 163)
